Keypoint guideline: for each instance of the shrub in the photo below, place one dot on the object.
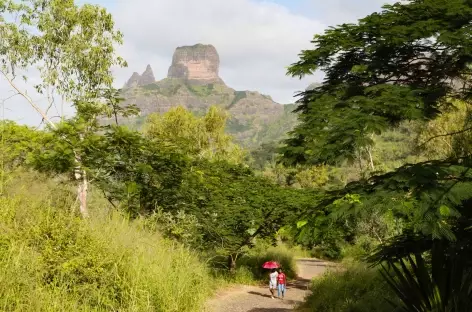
(51, 260)
(357, 289)
(254, 260)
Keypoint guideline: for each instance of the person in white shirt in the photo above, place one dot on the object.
(273, 282)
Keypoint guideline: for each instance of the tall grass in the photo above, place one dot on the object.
(356, 289)
(52, 260)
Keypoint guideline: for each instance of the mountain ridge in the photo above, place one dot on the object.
(193, 82)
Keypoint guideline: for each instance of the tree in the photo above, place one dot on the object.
(202, 137)
(72, 48)
(409, 62)
(392, 66)
(18, 143)
(449, 135)
(234, 206)
(223, 206)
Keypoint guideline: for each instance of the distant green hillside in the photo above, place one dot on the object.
(254, 118)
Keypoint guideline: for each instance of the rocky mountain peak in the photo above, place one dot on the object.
(141, 80)
(147, 77)
(194, 83)
(133, 80)
(199, 63)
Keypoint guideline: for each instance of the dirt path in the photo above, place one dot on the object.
(257, 298)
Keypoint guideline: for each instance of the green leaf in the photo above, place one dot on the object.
(444, 211)
(301, 224)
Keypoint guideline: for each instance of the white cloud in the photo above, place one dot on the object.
(256, 40)
(335, 12)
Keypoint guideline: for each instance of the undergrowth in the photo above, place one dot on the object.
(53, 260)
(355, 289)
(252, 262)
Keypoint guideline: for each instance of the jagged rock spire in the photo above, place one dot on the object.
(147, 77)
(141, 80)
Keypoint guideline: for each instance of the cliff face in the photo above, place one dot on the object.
(193, 82)
(198, 63)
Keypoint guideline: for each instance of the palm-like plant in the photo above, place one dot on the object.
(431, 274)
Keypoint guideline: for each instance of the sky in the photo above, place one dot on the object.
(256, 40)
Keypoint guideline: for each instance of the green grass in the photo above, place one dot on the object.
(357, 289)
(52, 260)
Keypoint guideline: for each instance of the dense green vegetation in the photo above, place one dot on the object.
(176, 200)
(407, 66)
(356, 289)
(52, 260)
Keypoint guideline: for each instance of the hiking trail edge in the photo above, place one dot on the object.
(257, 298)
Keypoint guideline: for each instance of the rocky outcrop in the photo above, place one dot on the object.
(197, 63)
(133, 81)
(141, 80)
(147, 77)
(193, 82)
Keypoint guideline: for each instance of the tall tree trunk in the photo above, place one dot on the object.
(371, 160)
(359, 158)
(82, 191)
(79, 173)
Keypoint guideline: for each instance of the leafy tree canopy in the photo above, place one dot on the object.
(200, 137)
(395, 65)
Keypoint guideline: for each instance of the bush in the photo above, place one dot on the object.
(328, 252)
(52, 260)
(254, 260)
(357, 289)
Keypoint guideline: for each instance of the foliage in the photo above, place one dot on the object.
(391, 66)
(73, 52)
(73, 49)
(18, 143)
(211, 205)
(313, 177)
(434, 137)
(410, 62)
(200, 137)
(263, 155)
(431, 274)
(234, 206)
(356, 288)
(52, 260)
(254, 260)
(179, 226)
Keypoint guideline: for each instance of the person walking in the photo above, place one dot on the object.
(281, 283)
(273, 282)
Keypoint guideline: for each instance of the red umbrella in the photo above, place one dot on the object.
(271, 265)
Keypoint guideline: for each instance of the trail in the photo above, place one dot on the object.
(257, 298)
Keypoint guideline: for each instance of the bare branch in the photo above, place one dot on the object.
(11, 96)
(444, 135)
(79, 173)
(30, 101)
